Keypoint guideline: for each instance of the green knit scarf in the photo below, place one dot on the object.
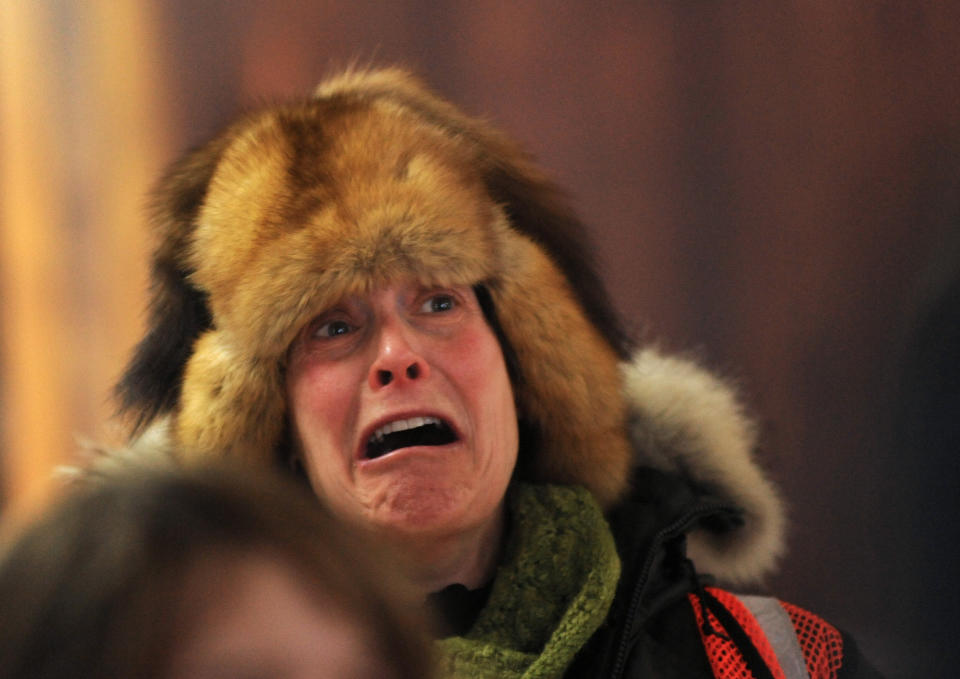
(553, 589)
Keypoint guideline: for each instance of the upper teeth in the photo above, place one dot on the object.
(401, 425)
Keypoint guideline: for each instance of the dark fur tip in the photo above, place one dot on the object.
(150, 385)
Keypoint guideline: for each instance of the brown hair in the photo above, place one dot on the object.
(92, 588)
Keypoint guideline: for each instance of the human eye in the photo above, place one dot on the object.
(333, 328)
(335, 323)
(439, 302)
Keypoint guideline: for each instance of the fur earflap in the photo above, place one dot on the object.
(296, 207)
(686, 420)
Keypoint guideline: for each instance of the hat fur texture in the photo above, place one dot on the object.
(374, 178)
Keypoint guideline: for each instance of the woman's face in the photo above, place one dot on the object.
(251, 616)
(403, 410)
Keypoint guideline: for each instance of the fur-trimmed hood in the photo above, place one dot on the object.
(687, 421)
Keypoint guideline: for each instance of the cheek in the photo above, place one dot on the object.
(320, 412)
(502, 421)
(320, 401)
(484, 379)
(478, 360)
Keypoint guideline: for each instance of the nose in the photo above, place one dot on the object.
(398, 359)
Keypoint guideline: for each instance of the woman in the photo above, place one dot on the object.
(198, 575)
(376, 289)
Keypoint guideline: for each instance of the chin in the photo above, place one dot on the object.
(422, 512)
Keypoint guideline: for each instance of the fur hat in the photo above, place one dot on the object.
(374, 177)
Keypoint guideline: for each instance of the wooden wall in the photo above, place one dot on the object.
(82, 134)
(773, 186)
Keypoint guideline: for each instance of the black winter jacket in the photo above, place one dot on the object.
(651, 631)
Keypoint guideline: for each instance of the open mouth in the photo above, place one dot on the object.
(415, 431)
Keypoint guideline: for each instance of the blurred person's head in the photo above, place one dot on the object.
(206, 574)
